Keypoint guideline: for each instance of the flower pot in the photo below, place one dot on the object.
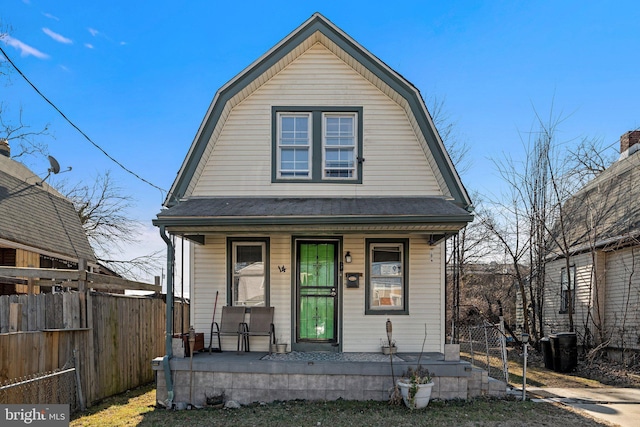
(389, 350)
(281, 348)
(421, 397)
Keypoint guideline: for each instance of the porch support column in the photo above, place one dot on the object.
(169, 315)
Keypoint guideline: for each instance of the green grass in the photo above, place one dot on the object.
(137, 408)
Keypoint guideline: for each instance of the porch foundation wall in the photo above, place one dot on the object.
(256, 381)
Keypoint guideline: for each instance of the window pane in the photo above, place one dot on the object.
(387, 280)
(294, 130)
(339, 131)
(248, 275)
(294, 162)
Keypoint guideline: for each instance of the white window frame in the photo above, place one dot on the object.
(353, 168)
(308, 146)
(402, 273)
(234, 283)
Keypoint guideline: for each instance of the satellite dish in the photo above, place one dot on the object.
(55, 169)
(55, 166)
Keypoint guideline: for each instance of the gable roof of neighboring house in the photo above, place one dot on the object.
(36, 217)
(318, 29)
(605, 213)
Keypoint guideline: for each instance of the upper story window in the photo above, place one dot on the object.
(313, 144)
(294, 145)
(339, 145)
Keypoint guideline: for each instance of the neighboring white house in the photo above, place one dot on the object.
(317, 184)
(600, 283)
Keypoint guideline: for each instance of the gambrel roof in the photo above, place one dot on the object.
(318, 29)
(35, 217)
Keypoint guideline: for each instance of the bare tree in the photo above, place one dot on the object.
(23, 139)
(103, 209)
(536, 188)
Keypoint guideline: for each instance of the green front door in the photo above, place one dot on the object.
(317, 295)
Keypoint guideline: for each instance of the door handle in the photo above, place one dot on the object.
(333, 292)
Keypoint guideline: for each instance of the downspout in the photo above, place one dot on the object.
(169, 315)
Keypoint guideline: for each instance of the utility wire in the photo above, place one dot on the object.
(162, 190)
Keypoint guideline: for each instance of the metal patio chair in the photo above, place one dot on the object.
(260, 324)
(230, 324)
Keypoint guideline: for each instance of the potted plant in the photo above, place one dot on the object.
(278, 346)
(415, 387)
(388, 346)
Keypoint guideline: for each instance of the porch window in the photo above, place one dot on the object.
(567, 289)
(317, 144)
(386, 286)
(248, 272)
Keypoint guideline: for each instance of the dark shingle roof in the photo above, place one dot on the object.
(607, 210)
(35, 217)
(320, 210)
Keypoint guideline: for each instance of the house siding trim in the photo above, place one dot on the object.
(317, 23)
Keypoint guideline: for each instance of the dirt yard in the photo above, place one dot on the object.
(598, 373)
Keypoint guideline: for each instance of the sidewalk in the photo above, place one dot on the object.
(620, 406)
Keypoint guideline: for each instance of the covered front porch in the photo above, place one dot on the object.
(257, 377)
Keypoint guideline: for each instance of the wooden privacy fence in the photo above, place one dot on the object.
(115, 344)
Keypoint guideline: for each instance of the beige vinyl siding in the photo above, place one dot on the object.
(208, 273)
(622, 306)
(240, 161)
(360, 332)
(363, 332)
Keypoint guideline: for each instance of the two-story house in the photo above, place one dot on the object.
(593, 279)
(317, 184)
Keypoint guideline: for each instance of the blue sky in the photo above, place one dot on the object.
(138, 76)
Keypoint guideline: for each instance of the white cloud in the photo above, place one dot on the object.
(57, 37)
(25, 49)
(93, 31)
(88, 45)
(50, 16)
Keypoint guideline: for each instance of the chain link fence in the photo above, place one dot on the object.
(55, 387)
(484, 346)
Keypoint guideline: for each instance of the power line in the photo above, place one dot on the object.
(162, 190)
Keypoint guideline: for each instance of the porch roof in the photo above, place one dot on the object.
(432, 213)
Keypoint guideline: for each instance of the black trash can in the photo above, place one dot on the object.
(545, 345)
(564, 350)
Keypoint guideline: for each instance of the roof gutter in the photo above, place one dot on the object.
(169, 316)
(322, 220)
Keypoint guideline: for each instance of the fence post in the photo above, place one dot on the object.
(82, 291)
(486, 347)
(503, 347)
(83, 407)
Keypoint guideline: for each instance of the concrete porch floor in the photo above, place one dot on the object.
(246, 378)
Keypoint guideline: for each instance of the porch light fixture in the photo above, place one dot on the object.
(347, 257)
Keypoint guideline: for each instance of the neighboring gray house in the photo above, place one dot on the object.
(38, 226)
(601, 281)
